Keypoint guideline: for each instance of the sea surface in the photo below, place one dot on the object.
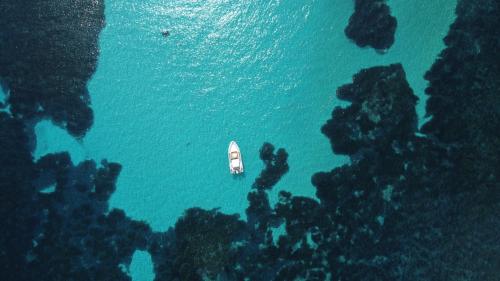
(251, 71)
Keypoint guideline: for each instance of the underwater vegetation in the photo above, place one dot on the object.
(411, 205)
(16, 212)
(463, 96)
(203, 243)
(47, 58)
(372, 25)
(276, 166)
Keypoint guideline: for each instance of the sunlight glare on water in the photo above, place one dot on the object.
(251, 71)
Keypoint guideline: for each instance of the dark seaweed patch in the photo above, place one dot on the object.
(406, 208)
(75, 239)
(48, 52)
(276, 166)
(204, 243)
(17, 214)
(372, 25)
(463, 95)
(382, 111)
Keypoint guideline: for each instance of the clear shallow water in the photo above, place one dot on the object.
(166, 108)
(2, 100)
(141, 268)
(2, 95)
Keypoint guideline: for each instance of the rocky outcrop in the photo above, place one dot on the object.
(372, 25)
(276, 166)
(381, 111)
(408, 207)
(204, 243)
(464, 93)
(48, 52)
(19, 216)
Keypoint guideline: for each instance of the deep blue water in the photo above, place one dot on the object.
(166, 108)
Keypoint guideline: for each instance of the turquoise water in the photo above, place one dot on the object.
(141, 268)
(166, 108)
(2, 95)
(2, 100)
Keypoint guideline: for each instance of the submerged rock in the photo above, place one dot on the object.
(204, 243)
(165, 33)
(382, 111)
(18, 213)
(48, 52)
(372, 25)
(406, 207)
(276, 166)
(464, 95)
(78, 238)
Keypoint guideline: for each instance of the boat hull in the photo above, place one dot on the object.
(234, 158)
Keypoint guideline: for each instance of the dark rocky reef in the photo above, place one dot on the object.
(408, 207)
(464, 95)
(464, 102)
(48, 52)
(18, 215)
(380, 114)
(440, 191)
(76, 239)
(361, 202)
(204, 244)
(276, 166)
(372, 25)
(66, 234)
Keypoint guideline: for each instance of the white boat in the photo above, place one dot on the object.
(234, 157)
